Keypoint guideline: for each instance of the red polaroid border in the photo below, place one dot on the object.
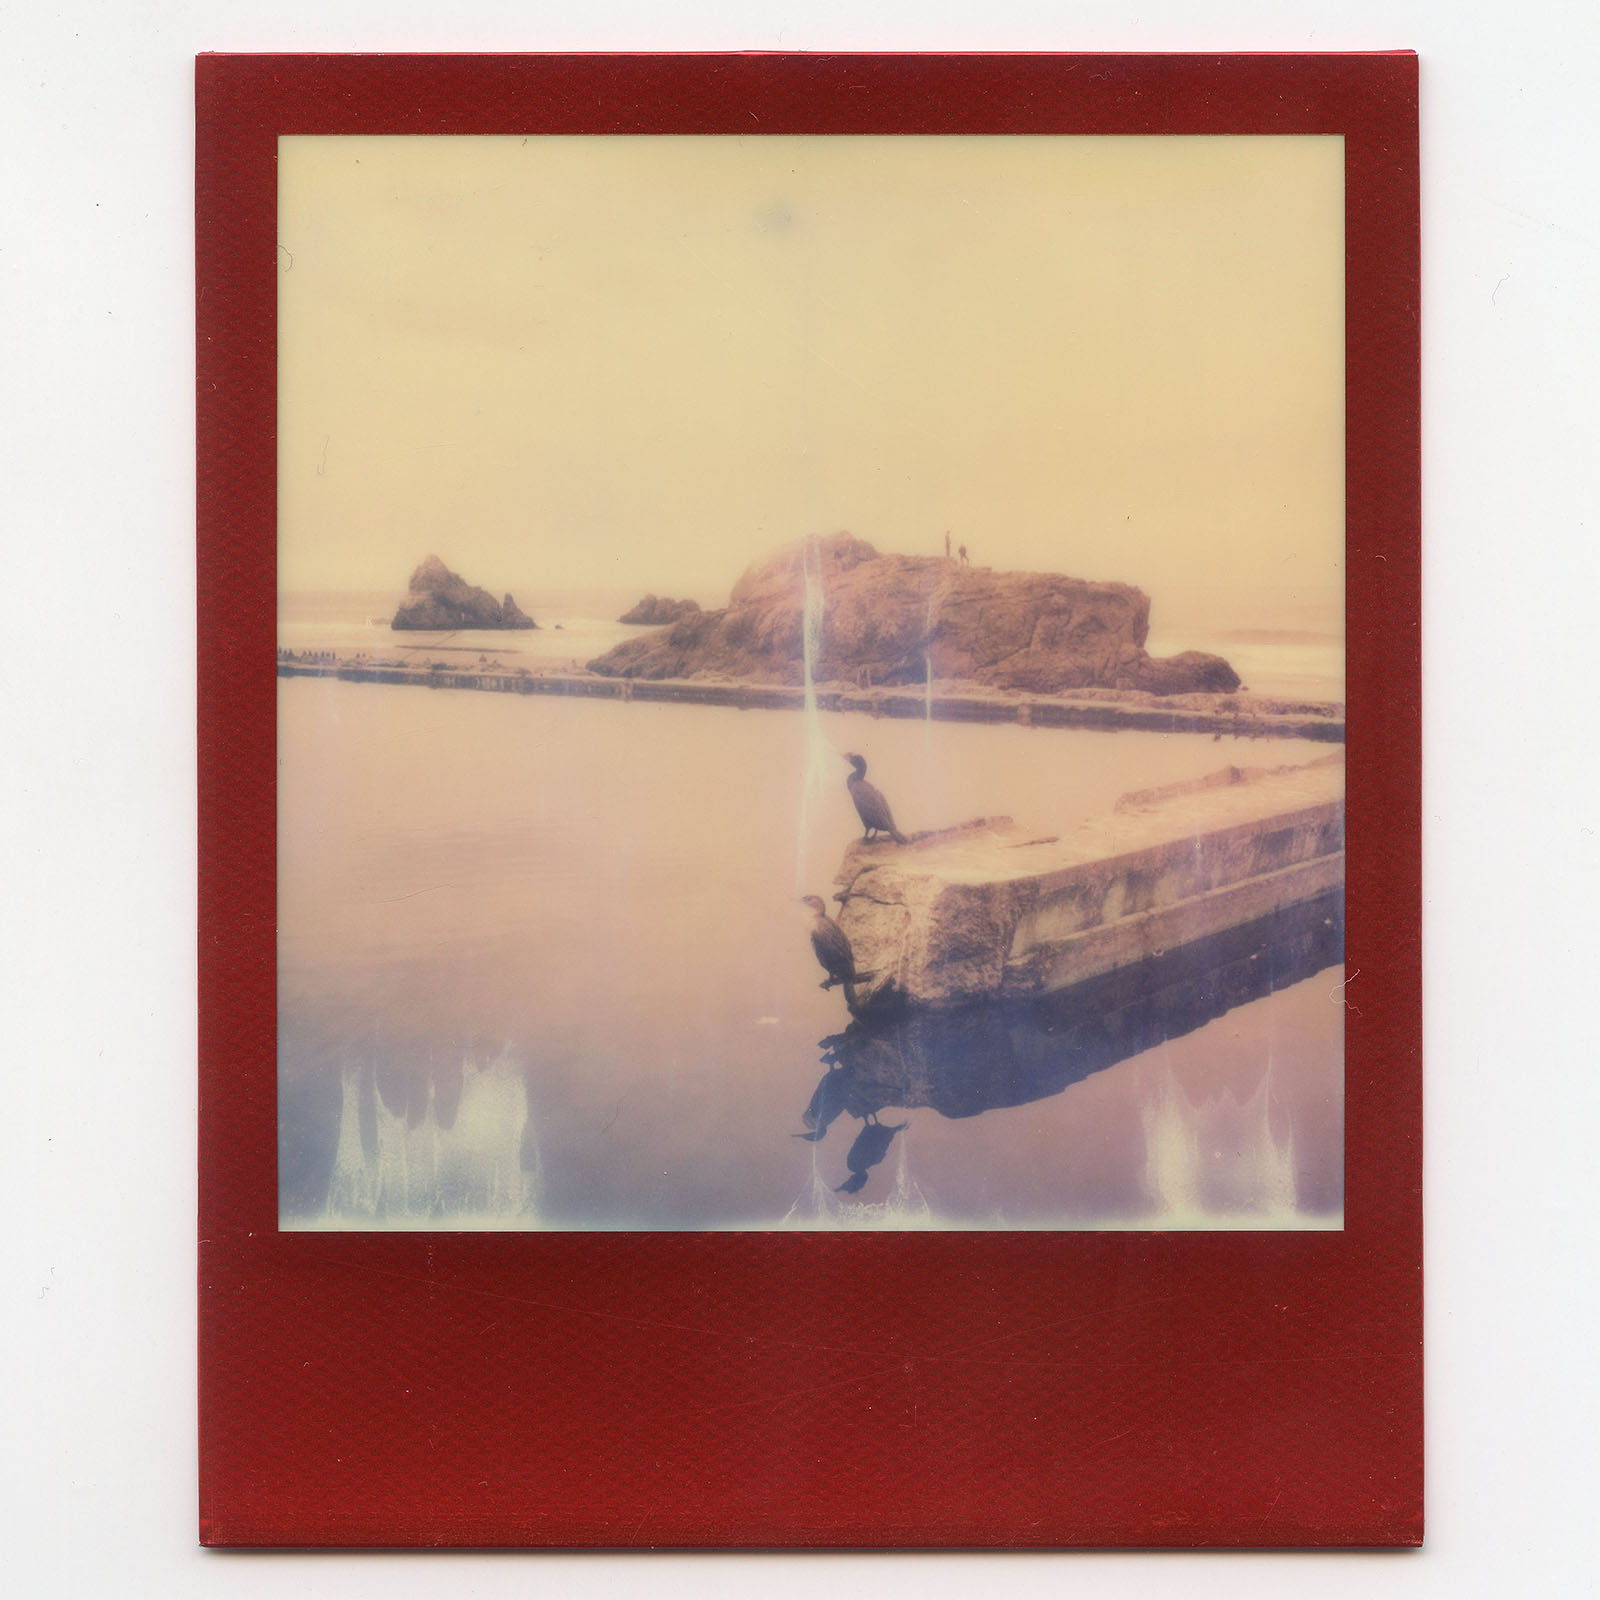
(813, 1390)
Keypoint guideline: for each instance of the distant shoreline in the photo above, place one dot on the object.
(1240, 715)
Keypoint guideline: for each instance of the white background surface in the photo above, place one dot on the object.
(97, 817)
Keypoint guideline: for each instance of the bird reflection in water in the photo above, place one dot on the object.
(834, 1095)
(963, 1062)
(871, 1146)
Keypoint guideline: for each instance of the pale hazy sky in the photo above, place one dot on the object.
(644, 362)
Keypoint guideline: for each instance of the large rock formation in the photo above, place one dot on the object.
(440, 600)
(886, 619)
(656, 612)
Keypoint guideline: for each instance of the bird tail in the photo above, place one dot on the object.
(850, 994)
(897, 836)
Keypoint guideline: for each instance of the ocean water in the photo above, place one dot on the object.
(1284, 642)
(541, 966)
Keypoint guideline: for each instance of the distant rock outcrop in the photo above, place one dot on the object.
(513, 616)
(656, 611)
(440, 600)
(887, 618)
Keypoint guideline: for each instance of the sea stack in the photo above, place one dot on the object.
(896, 620)
(439, 600)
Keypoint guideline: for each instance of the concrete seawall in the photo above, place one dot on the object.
(1234, 715)
(986, 912)
(966, 1060)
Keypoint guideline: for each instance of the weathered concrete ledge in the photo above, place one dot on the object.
(987, 912)
(1235, 715)
(969, 1059)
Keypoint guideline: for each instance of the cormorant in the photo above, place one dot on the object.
(833, 948)
(871, 807)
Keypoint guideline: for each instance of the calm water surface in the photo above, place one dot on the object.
(540, 966)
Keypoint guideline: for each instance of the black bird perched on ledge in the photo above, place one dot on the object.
(833, 948)
(871, 807)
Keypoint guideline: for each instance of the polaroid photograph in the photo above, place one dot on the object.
(789, 641)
